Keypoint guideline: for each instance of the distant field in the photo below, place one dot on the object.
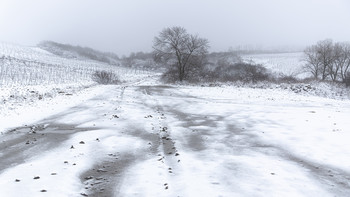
(21, 65)
(285, 63)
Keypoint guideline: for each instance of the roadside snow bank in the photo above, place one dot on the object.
(317, 89)
(20, 105)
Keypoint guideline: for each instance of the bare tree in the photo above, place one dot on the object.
(328, 59)
(313, 63)
(337, 62)
(175, 46)
(324, 50)
(344, 68)
(320, 58)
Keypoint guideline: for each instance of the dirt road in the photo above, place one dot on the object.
(144, 140)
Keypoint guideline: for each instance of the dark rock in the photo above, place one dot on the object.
(89, 177)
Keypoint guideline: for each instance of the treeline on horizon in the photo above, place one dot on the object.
(81, 52)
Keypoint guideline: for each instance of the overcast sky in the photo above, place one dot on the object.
(124, 26)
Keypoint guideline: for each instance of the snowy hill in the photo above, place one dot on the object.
(78, 52)
(24, 65)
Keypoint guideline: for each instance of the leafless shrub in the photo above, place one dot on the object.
(170, 76)
(244, 72)
(253, 73)
(287, 79)
(308, 80)
(105, 77)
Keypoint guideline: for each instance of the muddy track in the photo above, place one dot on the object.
(106, 177)
(169, 154)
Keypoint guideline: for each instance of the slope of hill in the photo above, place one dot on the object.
(30, 76)
(78, 52)
(23, 65)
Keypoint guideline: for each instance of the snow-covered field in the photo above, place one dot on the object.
(143, 138)
(290, 64)
(21, 65)
(31, 77)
